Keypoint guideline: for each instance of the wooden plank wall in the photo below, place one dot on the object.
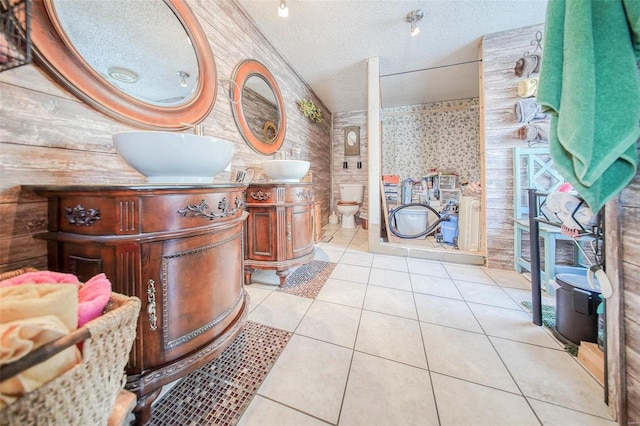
(499, 54)
(48, 136)
(630, 262)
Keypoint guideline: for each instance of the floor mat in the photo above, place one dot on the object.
(308, 279)
(219, 392)
(549, 321)
(548, 313)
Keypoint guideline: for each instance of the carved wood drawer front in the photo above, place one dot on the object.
(93, 215)
(261, 195)
(139, 213)
(299, 194)
(183, 211)
(280, 193)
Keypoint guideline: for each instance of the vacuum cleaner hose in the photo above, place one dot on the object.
(393, 227)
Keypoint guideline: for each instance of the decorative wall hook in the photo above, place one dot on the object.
(537, 43)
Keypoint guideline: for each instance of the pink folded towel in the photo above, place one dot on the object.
(41, 277)
(93, 296)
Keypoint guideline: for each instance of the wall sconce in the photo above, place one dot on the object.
(413, 17)
(283, 10)
(183, 77)
(228, 92)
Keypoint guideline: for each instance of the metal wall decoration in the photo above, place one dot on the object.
(351, 140)
(269, 131)
(15, 28)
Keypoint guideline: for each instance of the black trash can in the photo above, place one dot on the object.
(576, 305)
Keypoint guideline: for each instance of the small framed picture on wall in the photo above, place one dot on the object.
(351, 140)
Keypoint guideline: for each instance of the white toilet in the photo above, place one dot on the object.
(351, 196)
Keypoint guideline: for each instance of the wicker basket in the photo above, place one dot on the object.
(84, 395)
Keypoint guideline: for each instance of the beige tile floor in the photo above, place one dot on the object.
(397, 341)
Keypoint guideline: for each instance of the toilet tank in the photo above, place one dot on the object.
(352, 192)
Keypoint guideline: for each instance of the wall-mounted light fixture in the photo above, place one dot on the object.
(183, 78)
(229, 92)
(283, 10)
(413, 17)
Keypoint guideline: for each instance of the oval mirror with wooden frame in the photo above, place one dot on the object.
(107, 63)
(259, 112)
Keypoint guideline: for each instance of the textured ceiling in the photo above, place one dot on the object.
(328, 42)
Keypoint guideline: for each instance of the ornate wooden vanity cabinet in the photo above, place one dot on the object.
(279, 228)
(178, 248)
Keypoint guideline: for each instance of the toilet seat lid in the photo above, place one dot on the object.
(347, 203)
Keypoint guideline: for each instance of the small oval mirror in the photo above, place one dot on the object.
(147, 63)
(260, 114)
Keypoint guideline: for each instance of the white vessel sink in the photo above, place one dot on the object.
(285, 170)
(165, 157)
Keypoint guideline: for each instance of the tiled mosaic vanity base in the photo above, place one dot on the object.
(220, 391)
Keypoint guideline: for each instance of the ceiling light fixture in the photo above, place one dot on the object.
(124, 75)
(283, 10)
(413, 17)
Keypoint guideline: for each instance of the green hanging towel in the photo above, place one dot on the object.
(589, 83)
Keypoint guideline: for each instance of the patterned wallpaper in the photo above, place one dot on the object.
(444, 135)
(415, 138)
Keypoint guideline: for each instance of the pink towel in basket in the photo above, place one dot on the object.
(93, 296)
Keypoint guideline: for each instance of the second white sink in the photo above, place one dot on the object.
(285, 170)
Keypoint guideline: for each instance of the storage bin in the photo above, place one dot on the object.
(448, 181)
(412, 221)
(576, 309)
(447, 195)
(391, 179)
